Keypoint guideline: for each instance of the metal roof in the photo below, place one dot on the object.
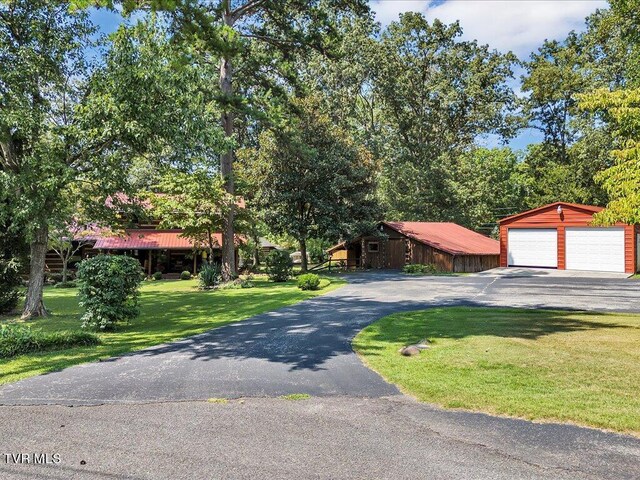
(448, 237)
(142, 239)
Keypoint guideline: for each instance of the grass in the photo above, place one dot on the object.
(296, 396)
(576, 367)
(170, 310)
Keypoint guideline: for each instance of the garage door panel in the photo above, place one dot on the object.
(532, 247)
(598, 249)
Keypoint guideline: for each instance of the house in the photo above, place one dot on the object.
(267, 247)
(448, 246)
(561, 235)
(158, 250)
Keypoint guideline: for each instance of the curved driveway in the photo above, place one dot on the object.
(355, 426)
(305, 348)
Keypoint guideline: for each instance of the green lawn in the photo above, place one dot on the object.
(581, 367)
(169, 310)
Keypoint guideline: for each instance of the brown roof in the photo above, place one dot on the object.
(150, 240)
(586, 208)
(448, 237)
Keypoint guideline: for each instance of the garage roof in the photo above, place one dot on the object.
(448, 237)
(586, 208)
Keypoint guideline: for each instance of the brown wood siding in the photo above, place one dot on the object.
(475, 263)
(425, 255)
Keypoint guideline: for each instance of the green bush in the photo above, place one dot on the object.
(209, 276)
(414, 268)
(9, 285)
(69, 284)
(308, 281)
(157, 276)
(186, 275)
(279, 266)
(109, 290)
(16, 339)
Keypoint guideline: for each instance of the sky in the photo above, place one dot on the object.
(520, 26)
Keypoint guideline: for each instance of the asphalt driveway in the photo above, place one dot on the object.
(145, 415)
(305, 348)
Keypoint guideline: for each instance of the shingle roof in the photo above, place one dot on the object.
(448, 237)
(150, 240)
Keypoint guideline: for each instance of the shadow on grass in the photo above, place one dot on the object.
(462, 322)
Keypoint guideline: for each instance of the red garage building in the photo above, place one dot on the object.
(560, 235)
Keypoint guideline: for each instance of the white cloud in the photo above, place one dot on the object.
(517, 25)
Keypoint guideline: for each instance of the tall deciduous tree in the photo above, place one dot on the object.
(250, 40)
(312, 180)
(438, 95)
(65, 126)
(194, 201)
(621, 109)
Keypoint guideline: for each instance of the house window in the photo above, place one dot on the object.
(373, 247)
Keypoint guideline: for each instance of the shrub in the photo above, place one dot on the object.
(109, 290)
(209, 276)
(308, 281)
(157, 276)
(186, 275)
(414, 268)
(9, 285)
(16, 339)
(279, 266)
(69, 284)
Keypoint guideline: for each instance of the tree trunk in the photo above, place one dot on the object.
(34, 305)
(65, 263)
(226, 163)
(303, 252)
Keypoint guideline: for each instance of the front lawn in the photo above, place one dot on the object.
(536, 364)
(170, 310)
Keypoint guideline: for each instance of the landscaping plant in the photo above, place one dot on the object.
(109, 290)
(279, 266)
(209, 277)
(157, 276)
(308, 281)
(18, 339)
(9, 285)
(417, 268)
(186, 275)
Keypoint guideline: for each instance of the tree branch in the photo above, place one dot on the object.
(247, 9)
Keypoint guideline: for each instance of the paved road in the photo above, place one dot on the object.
(149, 420)
(320, 438)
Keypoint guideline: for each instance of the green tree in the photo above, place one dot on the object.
(620, 109)
(253, 41)
(622, 180)
(66, 127)
(490, 186)
(312, 180)
(194, 201)
(576, 143)
(437, 94)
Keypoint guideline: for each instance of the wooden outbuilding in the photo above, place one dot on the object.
(562, 235)
(447, 246)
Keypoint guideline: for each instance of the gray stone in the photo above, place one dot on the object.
(410, 351)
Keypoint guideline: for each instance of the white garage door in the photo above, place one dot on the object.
(533, 247)
(598, 249)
